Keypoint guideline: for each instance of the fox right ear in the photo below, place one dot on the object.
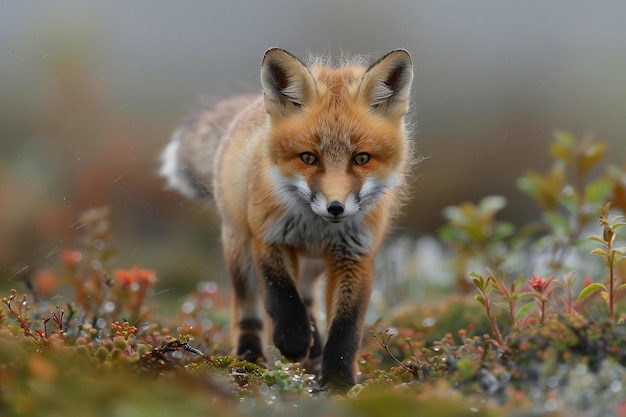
(287, 83)
(386, 85)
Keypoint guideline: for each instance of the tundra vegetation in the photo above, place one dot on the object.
(525, 321)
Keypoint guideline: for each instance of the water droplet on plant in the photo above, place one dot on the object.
(392, 331)
(188, 307)
(264, 389)
(616, 386)
(553, 382)
(209, 287)
(428, 322)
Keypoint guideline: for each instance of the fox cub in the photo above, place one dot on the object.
(306, 178)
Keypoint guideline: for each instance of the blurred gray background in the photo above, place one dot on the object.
(90, 91)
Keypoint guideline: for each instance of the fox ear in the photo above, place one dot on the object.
(287, 83)
(386, 85)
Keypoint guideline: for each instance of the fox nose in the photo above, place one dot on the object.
(335, 208)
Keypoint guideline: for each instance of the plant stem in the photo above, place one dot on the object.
(512, 308)
(25, 327)
(492, 321)
(611, 258)
(385, 345)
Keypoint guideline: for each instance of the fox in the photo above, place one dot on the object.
(306, 178)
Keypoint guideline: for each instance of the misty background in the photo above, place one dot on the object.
(90, 92)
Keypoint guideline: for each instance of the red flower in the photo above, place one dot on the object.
(124, 277)
(71, 258)
(141, 277)
(46, 282)
(539, 284)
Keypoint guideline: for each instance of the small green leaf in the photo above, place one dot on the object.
(558, 222)
(618, 225)
(592, 154)
(452, 235)
(503, 231)
(564, 138)
(589, 290)
(502, 305)
(523, 311)
(598, 191)
(561, 149)
(492, 203)
(528, 185)
(453, 214)
(621, 287)
(599, 251)
(528, 294)
(478, 280)
(480, 299)
(518, 282)
(597, 239)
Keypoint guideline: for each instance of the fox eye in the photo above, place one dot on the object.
(361, 158)
(308, 158)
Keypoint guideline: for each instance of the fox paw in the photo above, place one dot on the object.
(249, 348)
(293, 339)
(336, 382)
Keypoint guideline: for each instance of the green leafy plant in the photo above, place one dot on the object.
(568, 193)
(484, 287)
(476, 234)
(611, 256)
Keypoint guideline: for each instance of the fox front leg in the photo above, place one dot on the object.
(348, 292)
(247, 308)
(292, 335)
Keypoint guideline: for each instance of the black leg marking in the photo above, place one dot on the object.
(292, 328)
(339, 354)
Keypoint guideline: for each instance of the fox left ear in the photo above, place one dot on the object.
(387, 83)
(287, 83)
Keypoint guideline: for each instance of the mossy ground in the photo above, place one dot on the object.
(486, 345)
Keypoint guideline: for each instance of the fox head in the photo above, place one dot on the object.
(337, 139)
